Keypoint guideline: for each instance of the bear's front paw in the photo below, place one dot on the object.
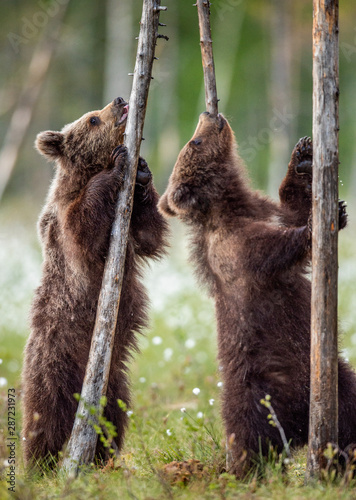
(144, 176)
(310, 229)
(342, 214)
(118, 162)
(303, 154)
(118, 157)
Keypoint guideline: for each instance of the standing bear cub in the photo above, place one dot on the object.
(252, 254)
(74, 229)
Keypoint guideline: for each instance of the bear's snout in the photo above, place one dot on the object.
(118, 101)
(120, 109)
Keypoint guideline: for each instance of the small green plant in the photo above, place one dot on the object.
(331, 454)
(105, 429)
(273, 420)
(340, 464)
(273, 464)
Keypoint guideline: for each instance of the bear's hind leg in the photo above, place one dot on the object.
(347, 406)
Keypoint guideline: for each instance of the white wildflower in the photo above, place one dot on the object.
(167, 354)
(189, 344)
(196, 391)
(157, 340)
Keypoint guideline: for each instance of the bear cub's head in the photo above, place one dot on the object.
(202, 169)
(89, 141)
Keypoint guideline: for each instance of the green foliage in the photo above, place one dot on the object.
(242, 35)
(105, 429)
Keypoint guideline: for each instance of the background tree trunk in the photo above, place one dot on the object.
(26, 104)
(323, 423)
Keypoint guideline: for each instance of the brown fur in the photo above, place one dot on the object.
(252, 254)
(74, 230)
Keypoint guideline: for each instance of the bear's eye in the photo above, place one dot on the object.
(94, 120)
(196, 142)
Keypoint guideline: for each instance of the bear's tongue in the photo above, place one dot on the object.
(125, 112)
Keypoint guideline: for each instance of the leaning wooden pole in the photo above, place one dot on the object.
(323, 421)
(82, 443)
(206, 45)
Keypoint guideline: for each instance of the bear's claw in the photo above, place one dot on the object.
(118, 156)
(342, 218)
(118, 160)
(342, 214)
(144, 175)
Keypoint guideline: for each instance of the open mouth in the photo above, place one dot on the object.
(125, 112)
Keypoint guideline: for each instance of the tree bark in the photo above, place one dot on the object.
(82, 443)
(22, 116)
(206, 45)
(323, 421)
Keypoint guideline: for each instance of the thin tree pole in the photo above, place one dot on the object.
(22, 116)
(323, 421)
(82, 443)
(206, 45)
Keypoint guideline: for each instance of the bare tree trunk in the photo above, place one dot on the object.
(119, 49)
(280, 92)
(28, 99)
(323, 422)
(82, 443)
(206, 44)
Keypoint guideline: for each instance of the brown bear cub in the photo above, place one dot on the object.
(252, 254)
(74, 229)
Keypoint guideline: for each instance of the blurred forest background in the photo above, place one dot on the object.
(63, 58)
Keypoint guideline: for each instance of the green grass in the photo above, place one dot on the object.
(178, 354)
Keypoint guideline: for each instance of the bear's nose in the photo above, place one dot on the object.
(118, 101)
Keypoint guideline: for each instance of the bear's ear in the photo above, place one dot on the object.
(50, 144)
(164, 207)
